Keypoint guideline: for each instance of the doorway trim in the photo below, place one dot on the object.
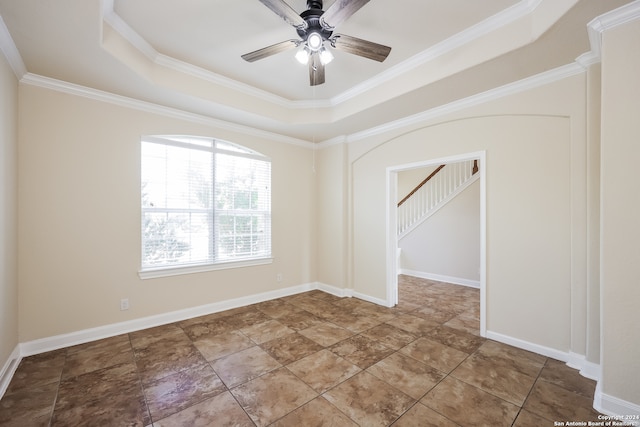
(392, 226)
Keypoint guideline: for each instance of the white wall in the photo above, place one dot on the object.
(620, 202)
(79, 207)
(447, 244)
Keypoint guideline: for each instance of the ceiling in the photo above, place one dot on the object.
(186, 55)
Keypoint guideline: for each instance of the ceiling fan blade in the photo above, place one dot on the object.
(360, 47)
(316, 70)
(286, 12)
(270, 50)
(339, 11)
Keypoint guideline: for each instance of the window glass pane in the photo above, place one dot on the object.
(202, 206)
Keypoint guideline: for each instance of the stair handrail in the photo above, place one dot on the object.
(424, 181)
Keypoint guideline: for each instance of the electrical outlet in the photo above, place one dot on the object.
(279, 277)
(124, 304)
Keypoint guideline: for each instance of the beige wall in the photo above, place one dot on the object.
(593, 209)
(8, 212)
(448, 242)
(79, 207)
(535, 146)
(331, 213)
(620, 201)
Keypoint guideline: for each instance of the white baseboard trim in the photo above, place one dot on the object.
(87, 335)
(369, 298)
(613, 406)
(602, 402)
(441, 278)
(587, 369)
(9, 368)
(529, 346)
(333, 290)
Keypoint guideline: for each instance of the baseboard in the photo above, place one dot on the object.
(529, 346)
(606, 404)
(350, 293)
(614, 407)
(87, 335)
(334, 290)
(371, 299)
(9, 368)
(441, 278)
(587, 369)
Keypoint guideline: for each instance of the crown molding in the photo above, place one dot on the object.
(499, 20)
(471, 101)
(123, 101)
(608, 21)
(10, 51)
(120, 25)
(505, 17)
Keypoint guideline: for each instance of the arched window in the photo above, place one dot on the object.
(205, 203)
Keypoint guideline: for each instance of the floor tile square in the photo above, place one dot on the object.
(460, 340)
(266, 331)
(29, 406)
(300, 320)
(272, 396)
(420, 415)
(148, 336)
(96, 355)
(220, 410)
(412, 324)
(323, 370)
(433, 314)
(215, 347)
(494, 377)
(326, 334)
(407, 374)
(40, 369)
(543, 401)
(528, 419)
(166, 356)
(369, 401)
(318, 412)
(181, 390)
(469, 406)
(110, 396)
(361, 351)
(246, 318)
(244, 366)
(464, 323)
(291, 348)
(390, 336)
(434, 354)
(560, 374)
(206, 328)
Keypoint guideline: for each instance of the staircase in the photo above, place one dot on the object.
(433, 192)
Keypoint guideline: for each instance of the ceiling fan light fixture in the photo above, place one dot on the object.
(314, 41)
(325, 56)
(302, 56)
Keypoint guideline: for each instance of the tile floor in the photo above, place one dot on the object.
(307, 360)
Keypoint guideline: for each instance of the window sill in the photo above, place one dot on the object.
(153, 273)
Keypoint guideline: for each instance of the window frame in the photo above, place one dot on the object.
(213, 148)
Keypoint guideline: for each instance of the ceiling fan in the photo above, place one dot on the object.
(315, 27)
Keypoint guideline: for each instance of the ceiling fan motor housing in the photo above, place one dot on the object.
(312, 18)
